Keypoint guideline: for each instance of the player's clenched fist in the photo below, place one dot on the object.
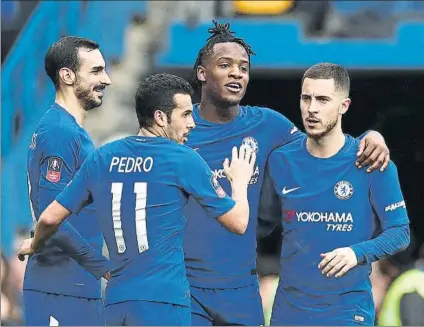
(240, 170)
(25, 249)
(338, 261)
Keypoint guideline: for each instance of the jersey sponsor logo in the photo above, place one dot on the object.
(217, 187)
(54, 169)
(288, 215)
(395, 206)
(335, 221)
(220, 173)
(286, 191)
(343, 190)
(324, 217)
(252, 143)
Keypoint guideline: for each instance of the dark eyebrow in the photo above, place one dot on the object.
(232, 59)
(97, 68)
(323, 97)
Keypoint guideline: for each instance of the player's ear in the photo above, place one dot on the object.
(67, 76)
(344, 106)
(160, 118)
(201, 73)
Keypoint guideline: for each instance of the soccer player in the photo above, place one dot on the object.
(57, 290)
(330, 212)
(139, 186)
(221, 266)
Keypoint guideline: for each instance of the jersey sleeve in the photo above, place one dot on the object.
(77, 194)
(59, 158)
(196, 178)
(387, 198)
(58, 166)
(269, 213)
(387, 202)
(285, 131)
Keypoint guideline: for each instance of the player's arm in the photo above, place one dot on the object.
(233, 213)
(269, 213)
(52, 181)
(387, 202)
(75, 197)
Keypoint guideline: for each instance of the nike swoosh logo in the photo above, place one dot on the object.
(196, 149)
(290, 190)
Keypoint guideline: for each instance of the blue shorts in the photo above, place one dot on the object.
(46, 309)
(221, 307)
(145, 313)
(285, 314)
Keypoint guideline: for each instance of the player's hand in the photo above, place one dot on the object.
(25, 249)
(373, 151)
(338, 261)
(240, 170)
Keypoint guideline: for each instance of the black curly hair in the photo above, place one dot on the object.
(220, 34)
(156, 92)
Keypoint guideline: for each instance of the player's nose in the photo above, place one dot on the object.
(190, 123)
(106, 79)
(313, 108)
(235, 73)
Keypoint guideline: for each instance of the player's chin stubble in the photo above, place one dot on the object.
(86, 98)
(328, 127)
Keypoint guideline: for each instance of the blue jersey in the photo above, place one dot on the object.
(216, 258)
(328, 204)
(58, 148)
(139, 186)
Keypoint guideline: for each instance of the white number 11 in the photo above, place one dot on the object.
(140, 190)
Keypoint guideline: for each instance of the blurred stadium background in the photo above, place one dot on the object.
(380, 42)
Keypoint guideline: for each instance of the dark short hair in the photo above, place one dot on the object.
(64, 53)
(330, 71)
(220, 33)
(156, 92)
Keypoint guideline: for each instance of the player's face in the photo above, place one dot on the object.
(322, 106)
(226, 73)
(181, 122)
(91, 79)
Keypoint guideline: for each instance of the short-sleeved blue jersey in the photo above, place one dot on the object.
(140, 186)
(328, 204)
(216, 258)
(58, 148)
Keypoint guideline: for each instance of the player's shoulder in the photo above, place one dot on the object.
(55, 130)
(390, 171)
(276, 122)
(351, 145)
(291, 149)
(264, 112)
(55, 123)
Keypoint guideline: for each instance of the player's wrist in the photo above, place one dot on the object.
(239, 191)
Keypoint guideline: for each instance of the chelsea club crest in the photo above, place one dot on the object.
(343, 190)
(251, 143)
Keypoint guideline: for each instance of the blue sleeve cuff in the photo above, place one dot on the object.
(360, 253)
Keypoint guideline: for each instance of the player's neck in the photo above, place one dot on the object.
(150, 132)
(326, 146)
(71, 104)
(215, 113)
